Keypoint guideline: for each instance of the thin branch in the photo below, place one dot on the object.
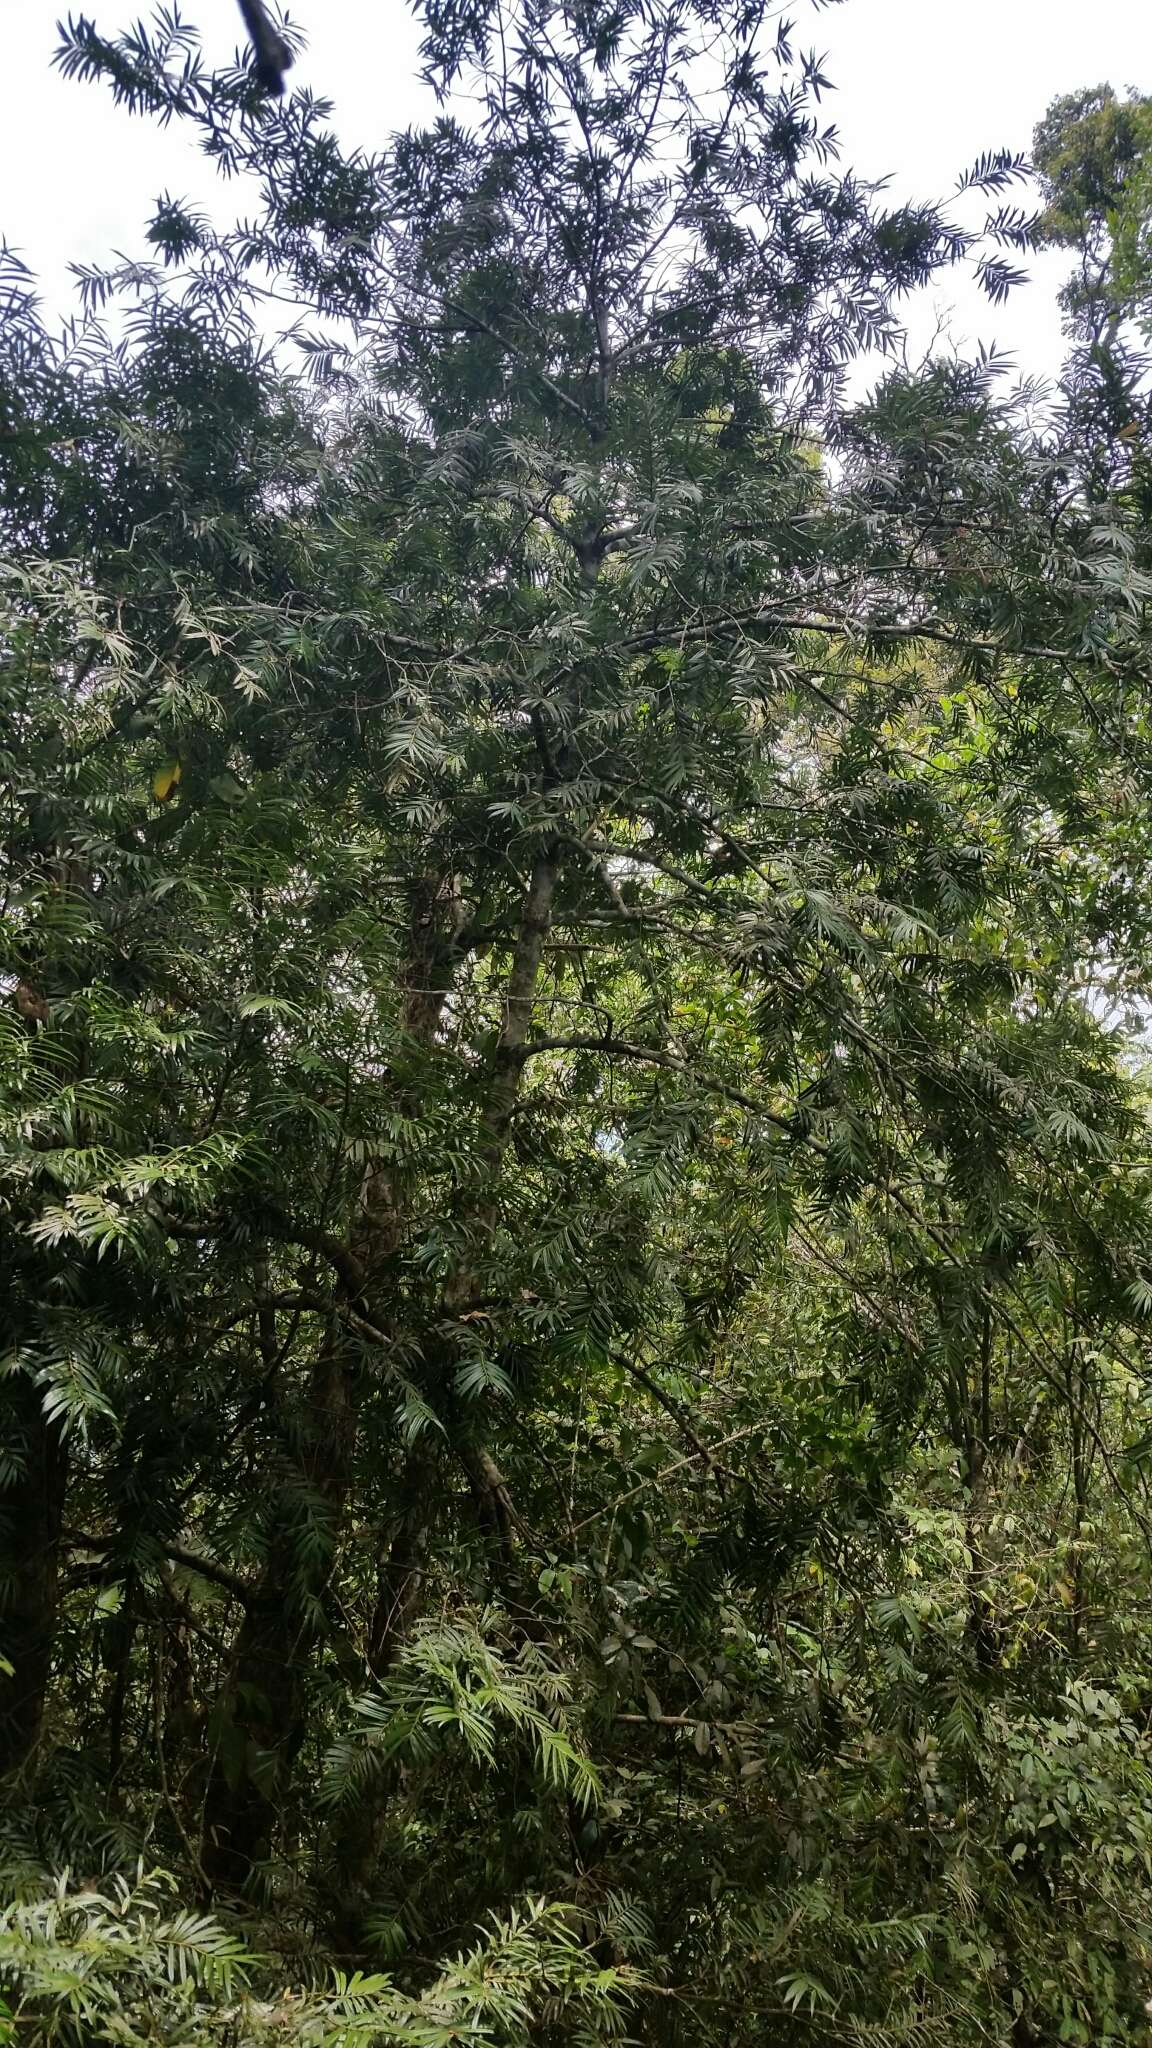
(205, 1567)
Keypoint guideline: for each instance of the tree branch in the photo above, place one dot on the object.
(205, 1567)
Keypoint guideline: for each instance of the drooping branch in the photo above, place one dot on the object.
(655, 1056)
(841, 625)
(205, 1567)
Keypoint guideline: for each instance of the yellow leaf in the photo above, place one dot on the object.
(165, 781)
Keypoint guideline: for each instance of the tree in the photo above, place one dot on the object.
(566, 1182)
(1093, 155)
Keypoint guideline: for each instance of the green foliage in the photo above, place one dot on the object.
(1094, 155)
(451, 1685)
(574, 1185)
(114, 1966)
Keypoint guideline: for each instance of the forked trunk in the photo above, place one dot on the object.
(262, 1717)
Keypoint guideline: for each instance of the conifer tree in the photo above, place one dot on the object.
(566, 1177)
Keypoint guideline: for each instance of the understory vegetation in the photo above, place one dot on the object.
(576, 1179)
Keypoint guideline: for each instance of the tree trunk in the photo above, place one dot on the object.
(31, 1507)
(486, 1481)
(399, 1587)
(400, 1578)
(401, 1573)
(262, 1718)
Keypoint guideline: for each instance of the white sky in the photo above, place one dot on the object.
(922, 87)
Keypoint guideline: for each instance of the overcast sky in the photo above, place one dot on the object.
(922, 87)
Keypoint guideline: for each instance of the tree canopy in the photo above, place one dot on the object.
(576, 1197)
